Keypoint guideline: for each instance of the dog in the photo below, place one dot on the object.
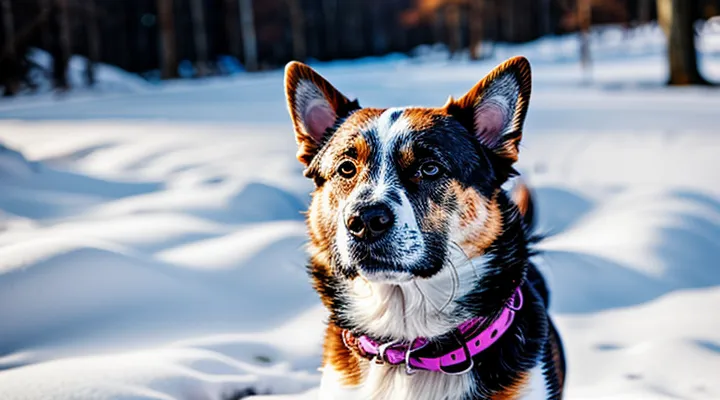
(421, 257)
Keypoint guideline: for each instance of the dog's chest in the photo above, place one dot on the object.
(391, 383)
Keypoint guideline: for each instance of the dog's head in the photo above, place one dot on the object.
(397, 190)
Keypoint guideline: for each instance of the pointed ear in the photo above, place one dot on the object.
(494, 110)
(315, 107)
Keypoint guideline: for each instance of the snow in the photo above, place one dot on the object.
(151, 239)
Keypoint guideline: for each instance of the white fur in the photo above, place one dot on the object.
(417, 308)
(388, 133)
(342, 236)
(382, 382)
(392, 383)
(537, 388)
(332, 388)
(407, 233)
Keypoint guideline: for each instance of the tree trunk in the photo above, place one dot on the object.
(60, 62)
(330, 8)
(546, 21)
(200, 37)
(46, 35)
(8, 54)
(232, 27)
(452, 15)
(510, 20)
(476, 21)
(644, 10)
(491, 18)
(438, 25)
(8, 29)
(93, 40)
(297, 23)
(166, 21)
(584, 10)
(353, 25)
(676, 18)
(247, 23)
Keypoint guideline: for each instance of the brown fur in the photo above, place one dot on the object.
(340, 358)
(407, 156)
(423, 118)
(521, 197)
(515, 391)
(435, 218)
(476, 242)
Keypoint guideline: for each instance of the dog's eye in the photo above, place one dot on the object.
(430, 169)
(347, 169)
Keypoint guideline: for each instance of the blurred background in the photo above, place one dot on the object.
(166, 39)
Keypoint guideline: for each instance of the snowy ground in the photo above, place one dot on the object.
(151, 244)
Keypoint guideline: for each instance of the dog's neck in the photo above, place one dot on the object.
(495, 369)
(431, 307)
(420, 308)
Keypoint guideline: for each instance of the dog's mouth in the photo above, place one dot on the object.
(394, 261)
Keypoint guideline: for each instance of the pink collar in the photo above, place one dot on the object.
(457, 361)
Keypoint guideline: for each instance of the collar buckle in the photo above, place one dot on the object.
(381, 357)
(409, 370)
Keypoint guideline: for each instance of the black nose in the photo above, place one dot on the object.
(370, 221)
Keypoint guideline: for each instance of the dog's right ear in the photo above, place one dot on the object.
(315, 107)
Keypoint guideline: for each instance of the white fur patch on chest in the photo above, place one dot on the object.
(392, 383)
(419, 308)
(332, 387)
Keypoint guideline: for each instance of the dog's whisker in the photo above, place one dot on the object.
(467, 258)
(456, 285)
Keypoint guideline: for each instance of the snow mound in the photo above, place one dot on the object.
(13, 165)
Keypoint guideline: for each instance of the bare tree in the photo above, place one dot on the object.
(297, 24)
(62, 58)
(546, 21)
(644, 9)
(438, 23)
(166, 20)
(330, 12)
(509, 18)
(584, 10)
(453, 18)
(476, 19)
(200, 37)
(232, 27)
(676, 18)
(8, 55)
(247, 23)
(93, 40)
(353, 24)
(46, 35)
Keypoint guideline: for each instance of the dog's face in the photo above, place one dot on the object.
(397, 190)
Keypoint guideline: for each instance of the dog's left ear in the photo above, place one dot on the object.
(315, 107)
(494, 110)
